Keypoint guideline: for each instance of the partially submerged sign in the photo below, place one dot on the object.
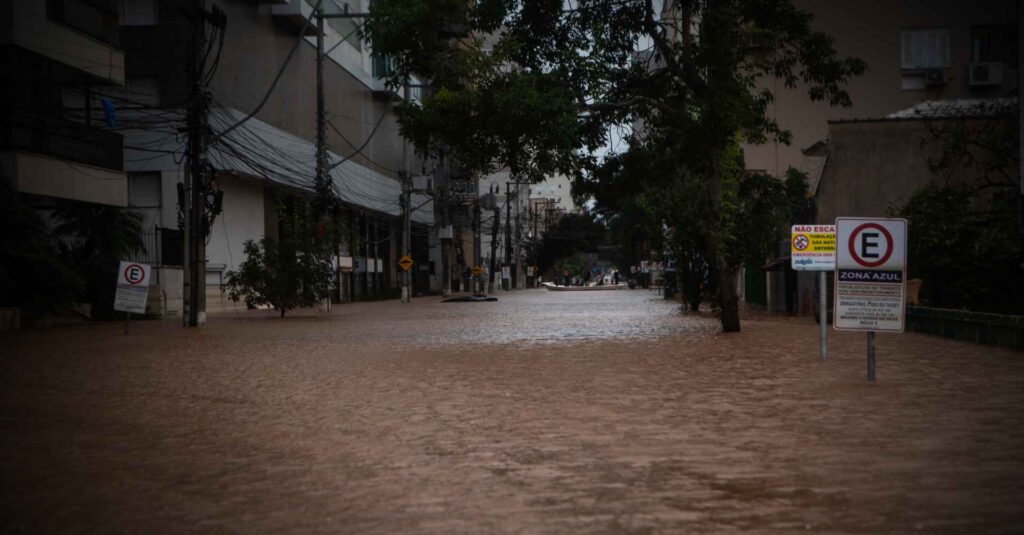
(813, 247)
(871, 273)
(132, 287)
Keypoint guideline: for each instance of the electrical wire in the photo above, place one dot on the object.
(280, 72)
(359, 150)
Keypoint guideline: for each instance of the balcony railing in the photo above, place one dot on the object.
(60, 138)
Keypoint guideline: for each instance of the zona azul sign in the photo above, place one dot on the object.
(871, 269)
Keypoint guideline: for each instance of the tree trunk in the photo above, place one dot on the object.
(728, 299)
(725, 276)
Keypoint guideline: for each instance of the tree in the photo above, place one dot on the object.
(533, 85)
(95, 238)
(573, 234)
(292, 272)
(963, 244)
(963, 237)
(32, 273)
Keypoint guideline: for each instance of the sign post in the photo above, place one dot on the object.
(132, 289)
(871, 278)
(813, 248)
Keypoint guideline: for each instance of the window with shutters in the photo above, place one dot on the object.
(924, 48)
(144, 190)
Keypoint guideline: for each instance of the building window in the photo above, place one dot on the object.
(994, 44)
(144, 190)
(924, 48)
(383, 66)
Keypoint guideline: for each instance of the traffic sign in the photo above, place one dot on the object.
(813, 247)
(477, 271)
(871, 273)
(132, 287)
(405, 262)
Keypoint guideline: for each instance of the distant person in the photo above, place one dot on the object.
(615, 277)
(586, 278)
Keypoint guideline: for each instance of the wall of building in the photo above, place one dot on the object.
(27, 25)
(870, 30)
(241, 220)
(257, 44)
(37, 174)
(872, 168)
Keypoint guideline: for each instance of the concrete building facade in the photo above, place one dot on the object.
(915, 50)
(272, 151)
(52, 148)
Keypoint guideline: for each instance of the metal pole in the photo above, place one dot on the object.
(823, 311)
(508, 238)
(321, 133)
(495, 225)
(871, 356)
(406, 215)
(478, 286)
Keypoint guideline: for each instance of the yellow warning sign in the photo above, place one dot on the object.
(405, 262)
(813, 247)
(477, 271)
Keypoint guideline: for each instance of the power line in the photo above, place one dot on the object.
(359, 150)
(277, 77)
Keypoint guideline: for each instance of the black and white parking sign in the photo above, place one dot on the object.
(871, 272)
(132, 287)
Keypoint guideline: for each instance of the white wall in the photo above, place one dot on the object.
(241, 220)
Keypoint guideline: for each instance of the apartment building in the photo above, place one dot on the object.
(916, 50)
(272, 150)
(948, 56)
(56, 54)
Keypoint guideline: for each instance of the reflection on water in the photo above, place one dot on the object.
(540, 317)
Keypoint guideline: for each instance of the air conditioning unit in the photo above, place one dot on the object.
(422, 183)
(934, 77)
(986, 74)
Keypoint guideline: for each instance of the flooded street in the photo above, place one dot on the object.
(541, 413)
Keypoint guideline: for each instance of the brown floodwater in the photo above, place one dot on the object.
(543, 412)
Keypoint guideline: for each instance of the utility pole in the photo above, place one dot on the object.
(478, 286)
(194, 204)
(320, 183)
(447, 235)
(495, 225)
(406, 211)
(508, 236)
(518, 271)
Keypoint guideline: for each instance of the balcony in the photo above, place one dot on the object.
(60, 138)
(81, 34)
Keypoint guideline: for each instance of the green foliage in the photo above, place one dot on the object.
(32, 273)
(766, 206)
(540, 95)
(95, 239)
(573, 234)
(964, 245)
(294, 272)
